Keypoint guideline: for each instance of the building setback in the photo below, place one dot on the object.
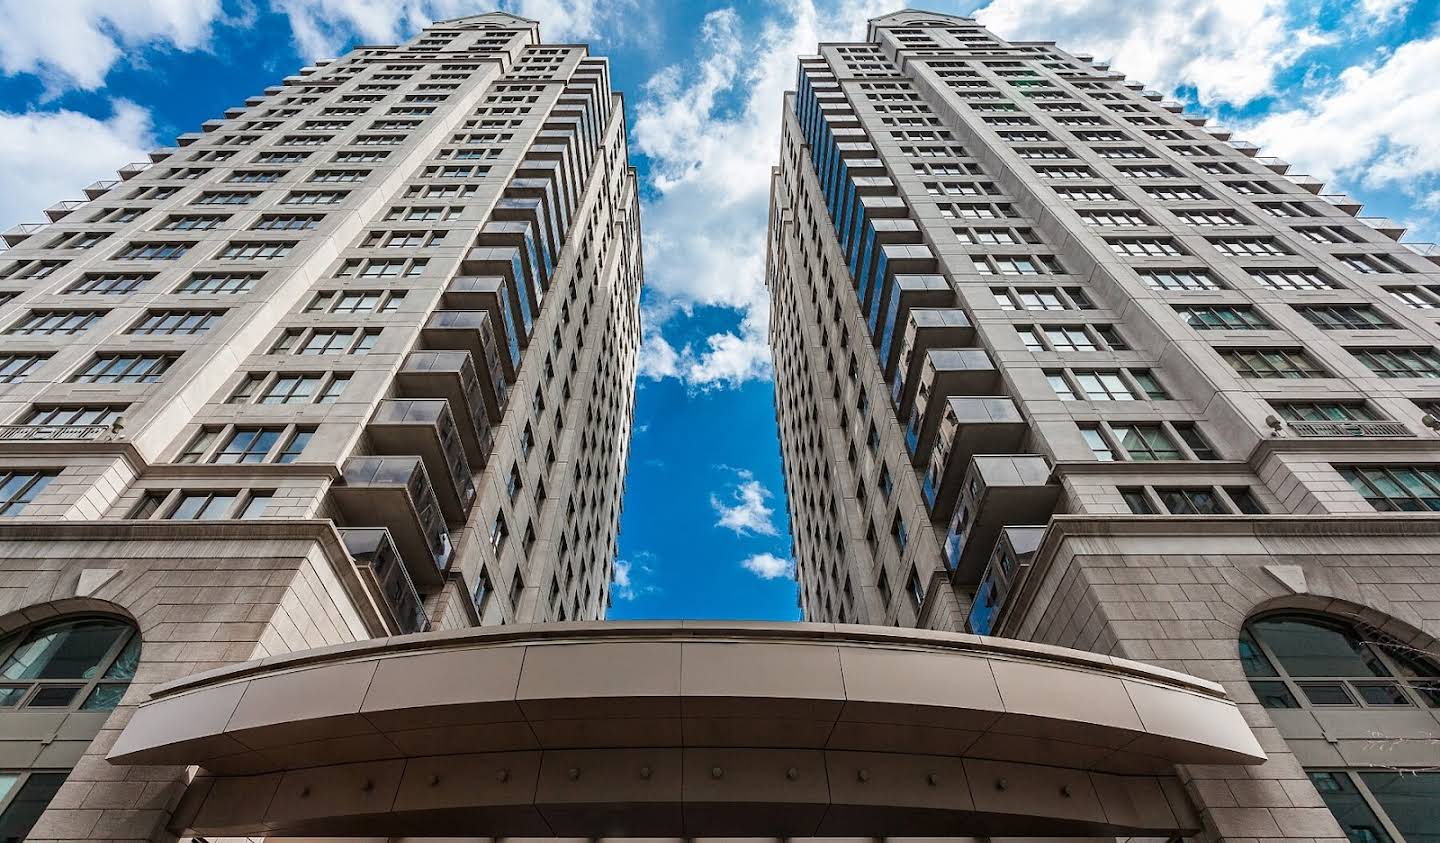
(356, 360)
(1058, 362)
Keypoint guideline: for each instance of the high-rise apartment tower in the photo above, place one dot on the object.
(355, 360)
(1056, 361)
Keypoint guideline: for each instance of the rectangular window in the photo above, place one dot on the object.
(1396, 488)
(139, 367)
(287, 222)
(247, 445)
(255, 251)
(1400, 362)
(74, 415)
(1324, 411)
(108, 284)
(1179, 279)
(1224, 318)
(314, 197)
(55, 322)
(174, 322)
(191, 222)
(1198, 501)
(1292, 279)
(15, 367)
(225, 198)
(153, 251)
(18, 488)
(1146, 442)
(1138, 247)
(1344, 317)
(203, 506)
(1270, 363)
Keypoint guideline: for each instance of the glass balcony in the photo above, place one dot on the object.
(538, 210)
(1172, 106)
(1218, 132)
(130, 171)
(911, 292)
(947, 372)
(426, 427)
(873, 221)
(925, 328)
(1385, 226)
(1152, 95)
(536, 263)
(488, 293)
(1429, 251)
(1008, 565)
(1195, 119)
(188, 138)
(470, 331)
(16, 234)
(96, 189)
(1306, 182)
(451, 375)
(1344, 202)
(373, 551)
(60, 210)
(987, 424)
(998, 492)
(395, 493)
(1275, 165)
(894, 259)
(161, 153)
(1245, 147)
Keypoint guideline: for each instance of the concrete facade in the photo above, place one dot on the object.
(1057, 361)
(354, 361)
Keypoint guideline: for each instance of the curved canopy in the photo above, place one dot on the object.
(688, 729)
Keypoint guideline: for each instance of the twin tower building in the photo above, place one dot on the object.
(1109, 446)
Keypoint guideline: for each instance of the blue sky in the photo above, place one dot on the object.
(1343, 89)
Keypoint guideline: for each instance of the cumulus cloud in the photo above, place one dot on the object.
(711, 131)
(1378, 125)
(746, 511)
(630, 579)
(768, 566)
(324, 27)
(50, 155)
(1230, 51)
(74, 43)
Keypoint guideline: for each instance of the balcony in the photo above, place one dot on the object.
(451, 375)
(1429, 251)
(161, 153)
(1007, 567)
(894, 259)
(1307, 183)
(1344, 202)
(988, 424)
(372, 549)
(488, 293)
(188, 138)
(395, 493)
(535, 261)
(1348, 429)
(911, 292)
(96, 189)
(130, 171)
(872, 222)
(946, 372)
(998, 492)
(1275, 165)
(1172, 106)
(1195, 119)
(1385, 226)
(16, 234)
(1245, 147)
(56, 432)
(234, 112)
(1152, 95)
(925, 329)
(1218, 132)
(211, 125)
(538, 214)
(426, 427)
(470, 331)
(60, 210)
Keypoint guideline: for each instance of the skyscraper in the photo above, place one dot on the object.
(1057, 361)
(355, 360)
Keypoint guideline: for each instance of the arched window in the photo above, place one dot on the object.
(1319, 664)
(83, 664)
(1304, 661)
(64, 676)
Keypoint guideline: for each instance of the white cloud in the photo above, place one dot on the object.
(768, 566)
(1378, 125)
(632, 579)
(324, 27)
(1229, 50)
(746, 511)
(74, 43)
(711, 129)
(47, 156)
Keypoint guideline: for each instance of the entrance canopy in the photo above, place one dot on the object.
(687, 729)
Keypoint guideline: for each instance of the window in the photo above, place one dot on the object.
(1344, 317)
(177, 322)
(15, 367)
(255, 251)
(73, 415)
(1152, 247)
(1138, 502)
(1400, 362)
(153, 251)
(225, 198)
(1179, 279)
(287, 222)
(108, 284)
(140, 367)
(291, 388)
(327, 341)
(314, 197)
(1092, 385)
(1224, 317)
(1318, 411)
(1211, 218)
(247, 445)
(1249, 247)
(81, 664)
(1146, 442)
(53, 322)
(203, 506)
(1119, 218)
(1397, 488)
(19, 488)
(1191, 501)
(191, 222)
(1314, 661)
(1359, 798)
(1269, 363)
(208, 283)
(1419, 298)
(1292, 279)
(1041, 298)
